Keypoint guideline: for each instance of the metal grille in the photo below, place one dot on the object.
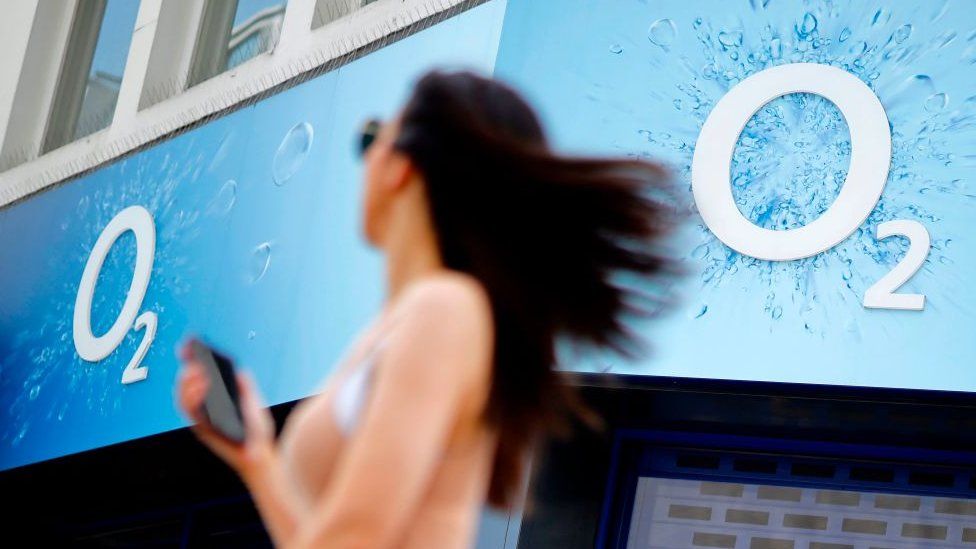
(680, 513)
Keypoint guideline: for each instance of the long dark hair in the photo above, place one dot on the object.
(544, 233)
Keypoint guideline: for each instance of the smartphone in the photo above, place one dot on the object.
(221, 406)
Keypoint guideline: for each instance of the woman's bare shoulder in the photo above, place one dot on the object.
(452, 294)
(449, 312)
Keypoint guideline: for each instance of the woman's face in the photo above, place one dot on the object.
(386, 172)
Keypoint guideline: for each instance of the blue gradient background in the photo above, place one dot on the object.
(321, 284)
(639, 77)
(279, 276)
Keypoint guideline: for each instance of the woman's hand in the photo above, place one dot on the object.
(256, 451)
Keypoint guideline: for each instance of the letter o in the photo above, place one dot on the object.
(138, 220)
(866, 177)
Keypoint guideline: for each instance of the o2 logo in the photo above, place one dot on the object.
(95, 348)
(866, 177)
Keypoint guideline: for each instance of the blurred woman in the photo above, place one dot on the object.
(496, 248)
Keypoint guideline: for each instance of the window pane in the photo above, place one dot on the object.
(327, 11)
(108, 63)
(91, 70)
(257, 24)
(233, 31)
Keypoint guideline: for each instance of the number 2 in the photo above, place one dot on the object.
(882, 294)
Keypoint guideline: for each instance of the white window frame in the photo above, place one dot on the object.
(160, 53)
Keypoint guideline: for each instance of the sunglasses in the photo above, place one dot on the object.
(368, 134)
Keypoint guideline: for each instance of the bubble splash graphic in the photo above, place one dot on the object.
(793, 155)
(85, 389)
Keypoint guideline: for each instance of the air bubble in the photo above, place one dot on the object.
(260, 260)
(936, 102)
(807, 26)
(881, 17)
(730, 39)
(292, 151)
(616, 49)
(701, 252)
(226, 198)
(902, 33)
(662, 32)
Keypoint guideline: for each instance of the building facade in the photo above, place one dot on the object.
(188, 167)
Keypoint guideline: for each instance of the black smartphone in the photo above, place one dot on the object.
(221, 406)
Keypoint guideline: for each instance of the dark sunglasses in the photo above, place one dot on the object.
(368, 134)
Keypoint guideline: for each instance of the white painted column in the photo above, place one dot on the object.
(38, 32)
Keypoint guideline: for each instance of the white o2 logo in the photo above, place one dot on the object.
(866, 177)
(95, 348)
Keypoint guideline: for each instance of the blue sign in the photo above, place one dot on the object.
(255, 218)
(641, 78)
(246, 230)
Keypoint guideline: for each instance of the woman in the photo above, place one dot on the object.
(495, 247)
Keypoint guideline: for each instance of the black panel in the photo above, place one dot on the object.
(166, 490)
(569, 488)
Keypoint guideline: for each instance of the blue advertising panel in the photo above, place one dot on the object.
(257, 247)
(253, 218)
(641, 78)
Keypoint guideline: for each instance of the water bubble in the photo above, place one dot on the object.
(20, 435)
(914, 89)
(902, 33)
(936, 102)
(251, 335)
(662, 32)
(947, 39)
(881, 17)
(292, 151)
(222, 152)
(615, 48)
(697, 23)
(701, 252)
(730, 39)
(701, 311)
(260, 259)
(35, 390)
(777, 312)
(225, 199)
(807, 26)
(83, 206)
(844, 34)
(775, 48)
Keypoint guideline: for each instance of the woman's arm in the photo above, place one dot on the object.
(436, 356)
(255, 460)
(270, 490)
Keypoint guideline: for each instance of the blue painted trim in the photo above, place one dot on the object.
(609, 492)
(783, 445)
(818, 391)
